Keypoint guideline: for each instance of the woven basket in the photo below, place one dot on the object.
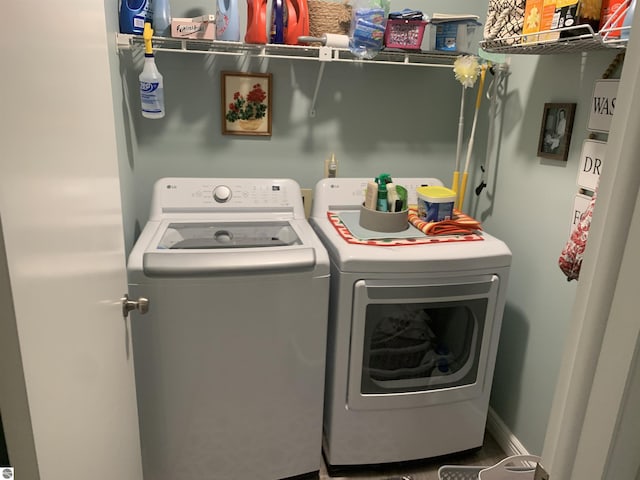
(328, 17)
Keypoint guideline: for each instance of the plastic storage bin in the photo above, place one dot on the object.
(435, 203)
(404, 34)
(454, 36)
(384, 221)
(503, 470)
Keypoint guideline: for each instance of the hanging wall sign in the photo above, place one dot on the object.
(603, 104)
(580, 205)
(591, 161)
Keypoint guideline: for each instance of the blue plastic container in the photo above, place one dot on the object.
(133, 14)
(455, 36)
(161, 18)
(278, 22)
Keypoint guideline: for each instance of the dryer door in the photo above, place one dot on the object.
(422, 343)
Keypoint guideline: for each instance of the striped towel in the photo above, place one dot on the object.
(461, 224)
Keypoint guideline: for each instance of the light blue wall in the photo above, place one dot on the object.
(532, 207)
(400, 120)
(375, 118)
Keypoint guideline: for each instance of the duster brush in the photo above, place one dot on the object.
(466, 70)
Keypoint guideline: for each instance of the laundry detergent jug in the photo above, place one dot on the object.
(256, 21)
(290, 20)
(278, 21)
(227, 21)
(133, 14)
(297, 12)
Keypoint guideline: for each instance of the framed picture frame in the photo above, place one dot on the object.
(555, 130)
(246, 103)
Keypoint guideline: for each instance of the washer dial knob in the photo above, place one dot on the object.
(222, 194)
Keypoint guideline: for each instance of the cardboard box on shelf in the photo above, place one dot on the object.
(572, 13)
(538, 17)
(200, 28)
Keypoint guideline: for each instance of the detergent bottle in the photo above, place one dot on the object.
(161, 18)
(227, 21)
(256, 21)
(628, 21)
(278, 21)
(133, 14)
(297, 21)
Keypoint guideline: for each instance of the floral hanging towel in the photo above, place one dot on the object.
(570, 259)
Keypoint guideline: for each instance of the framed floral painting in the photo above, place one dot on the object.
(246, 103)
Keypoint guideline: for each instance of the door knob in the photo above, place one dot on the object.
(141, 305)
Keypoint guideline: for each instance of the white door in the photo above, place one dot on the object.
(65, 270)
(593, 428)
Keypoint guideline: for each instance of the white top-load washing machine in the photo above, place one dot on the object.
(230, 359)
(413, 334)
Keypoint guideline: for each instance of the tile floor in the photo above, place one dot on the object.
(488, 455)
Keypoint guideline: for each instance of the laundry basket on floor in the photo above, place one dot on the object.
(503, 470)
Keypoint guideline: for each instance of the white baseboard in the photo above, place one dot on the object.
(503, 436)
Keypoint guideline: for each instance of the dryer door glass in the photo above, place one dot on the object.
(413, 343)
(421, 346)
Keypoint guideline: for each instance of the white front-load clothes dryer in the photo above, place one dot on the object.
(413, 332)
(230, 359)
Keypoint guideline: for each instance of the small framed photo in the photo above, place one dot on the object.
(246, 103)
(555, 131)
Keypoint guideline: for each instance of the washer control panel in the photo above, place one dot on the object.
(207, 194)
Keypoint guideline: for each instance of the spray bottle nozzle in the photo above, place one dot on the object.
(383, 179)
(147, 33)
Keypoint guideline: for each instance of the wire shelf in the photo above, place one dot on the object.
(295, 52)
(579, 38)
